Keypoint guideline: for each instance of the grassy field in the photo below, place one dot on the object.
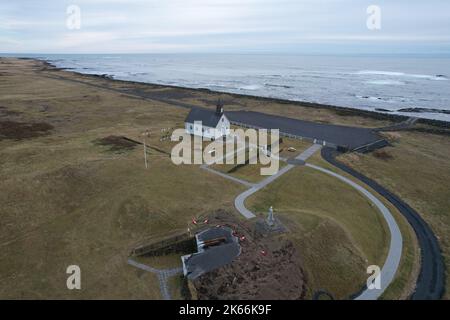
(69, 199)
(336, 229)
(291, 148)
(252, 172)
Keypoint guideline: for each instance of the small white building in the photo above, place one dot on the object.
(208, 123)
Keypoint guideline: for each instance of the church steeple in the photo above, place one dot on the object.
(219, 107)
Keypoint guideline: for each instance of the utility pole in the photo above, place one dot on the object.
(145, 155)
(146, 134)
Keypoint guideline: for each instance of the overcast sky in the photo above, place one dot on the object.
(149, 26)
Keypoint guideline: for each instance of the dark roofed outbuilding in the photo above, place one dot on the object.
(209, 258)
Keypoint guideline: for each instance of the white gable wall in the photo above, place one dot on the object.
(203, 131)
(223, 128)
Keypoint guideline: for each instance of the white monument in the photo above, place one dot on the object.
(270, 219)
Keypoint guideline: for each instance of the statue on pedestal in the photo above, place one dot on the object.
(270, 219)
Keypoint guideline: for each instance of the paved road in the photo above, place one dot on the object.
(431, 281)
(240, 199)
(162, 274)
(392, 262)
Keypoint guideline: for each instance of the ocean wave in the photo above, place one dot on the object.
(278, 85)
(250, 87)
(272, 75)
(137, 74)
(386, 82)
(402, 74)
(382, 99)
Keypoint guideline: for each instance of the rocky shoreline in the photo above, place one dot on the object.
(382, 114)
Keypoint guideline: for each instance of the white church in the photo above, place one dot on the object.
(214, 124)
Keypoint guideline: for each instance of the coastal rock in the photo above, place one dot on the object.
(424, 110)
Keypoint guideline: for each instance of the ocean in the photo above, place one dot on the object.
(417, 86)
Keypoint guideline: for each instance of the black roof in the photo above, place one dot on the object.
(344, 136)
(214, 233)
(208, 117)
(213, 257)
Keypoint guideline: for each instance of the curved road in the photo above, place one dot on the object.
(392, 262)
(431, 281)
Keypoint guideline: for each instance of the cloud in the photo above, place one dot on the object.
(192, 25)
(84, 39)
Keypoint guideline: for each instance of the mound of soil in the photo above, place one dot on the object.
(5, 113)
(116, 143)
(382, 154)
(23, 130)
(267, 268)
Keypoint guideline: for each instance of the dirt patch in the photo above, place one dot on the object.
(116, 143)
(165, 94)
(4, 112)
(267, 268)
(23, 130)
(392, 136)
(383, 155)
(353, 157)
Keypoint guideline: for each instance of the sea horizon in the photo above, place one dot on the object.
(413, 85)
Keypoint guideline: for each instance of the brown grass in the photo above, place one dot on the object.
(336, 229)
(382, 154)
(405, 279)
(66, 200)
(116, 143)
